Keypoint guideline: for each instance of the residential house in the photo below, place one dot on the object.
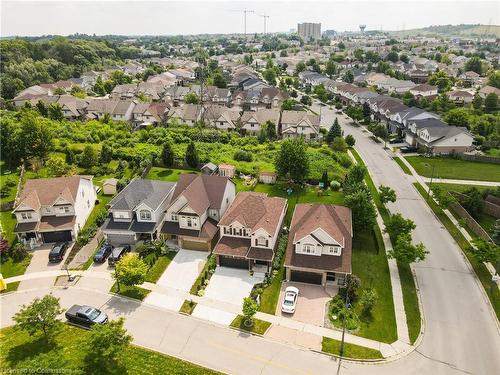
(136, 213)
(53, 209)
(187, 114)
(221, 117)
(252, 121)
(249, 232)
(461, 97)
(119, 110)
(424, 91)
(486, 90)
(319, 247)
(300, 124)
(443, 140)
(197, 205)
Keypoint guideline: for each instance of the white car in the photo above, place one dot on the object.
(290, 300)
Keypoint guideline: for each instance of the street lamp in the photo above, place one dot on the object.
(430, 182)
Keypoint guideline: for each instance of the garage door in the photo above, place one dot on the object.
(306, 277)
(233, 262)
(119, 239)
(59, 236)
(195, 245)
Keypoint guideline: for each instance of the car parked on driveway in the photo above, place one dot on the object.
(85, 315)
(57, 252)
(407, 149)
(290, 300)
(103, 253)
(117, 253)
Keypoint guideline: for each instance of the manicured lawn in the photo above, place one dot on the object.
(20, 351)
(458, 187)
(164, 174)
(157, 269)
(410, 301)
(370, 265)
(188, 307)
(455, 168)
(135, 292)
(259, 326)
(332, 346)
(480, 269)
(12, 178)
(98, 208)
(403, 166)
(270, 296)
(10, 268)
(8, 223)
(11, 287)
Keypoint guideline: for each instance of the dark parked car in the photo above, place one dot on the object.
(57, 252)
(117, 253)
(85, 315)
(103, 253)
(396, 140)
(407, 149)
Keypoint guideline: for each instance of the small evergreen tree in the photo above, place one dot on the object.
(167, 155)
(192, 159)
(334, 132)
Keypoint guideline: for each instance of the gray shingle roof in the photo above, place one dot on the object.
(149, 192)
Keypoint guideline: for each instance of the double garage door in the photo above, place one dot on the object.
(58, 236)
(225, 261)
(306, 277)
(195, 245)
(120, 239)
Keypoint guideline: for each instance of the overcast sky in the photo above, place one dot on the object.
(33, 18)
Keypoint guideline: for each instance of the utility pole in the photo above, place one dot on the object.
(430, 182)
(265, 20)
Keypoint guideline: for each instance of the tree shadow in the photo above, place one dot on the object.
(165, 173)
(30, 349)
(95, 367)
(366, 317)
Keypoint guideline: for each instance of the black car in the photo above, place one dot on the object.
(57, 252)
(396, 140)
(103, 253)
(407, 149)
(85, 315)
(117, 253)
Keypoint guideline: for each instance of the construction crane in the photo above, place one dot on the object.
(244, 11)
(265, 21)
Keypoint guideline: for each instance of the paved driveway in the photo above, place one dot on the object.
(311, 304)
(231, 285)
(183, 270)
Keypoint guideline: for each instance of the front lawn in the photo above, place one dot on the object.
(259, 326)
(20, 352)
(135, 292)
(164, 174)
(270, 296)
(8, 223)
(160, 265)
(455, 168)
(353, 351)
(11, 268)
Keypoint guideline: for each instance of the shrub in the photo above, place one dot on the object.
(18, 252)
(242, 155)
(335, 185)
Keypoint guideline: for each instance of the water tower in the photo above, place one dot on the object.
(362, 28)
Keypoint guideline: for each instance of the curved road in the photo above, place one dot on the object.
(461, 331)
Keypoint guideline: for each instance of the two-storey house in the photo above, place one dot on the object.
(300, 124)
(53, 209)
(136, 213)
(319, 247)
(249, 231)
(198, 202)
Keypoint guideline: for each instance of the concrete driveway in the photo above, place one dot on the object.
(231, 285)
(182, 272)
(311, 304)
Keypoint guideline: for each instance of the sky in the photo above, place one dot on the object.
(35, 18)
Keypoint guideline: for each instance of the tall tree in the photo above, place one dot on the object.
(167, 155)
(363, 210)
(36, 137)
(334, 132)
(397, 224)
(292, 160)
(491, 102)
(192, 159)
(406, 252)
(89, 157)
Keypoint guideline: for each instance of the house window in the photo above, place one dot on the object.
(145, 215)
(308, 248)
(26, 215)
(335, 250)
(174, 217)
(65, 209)
(189, 222)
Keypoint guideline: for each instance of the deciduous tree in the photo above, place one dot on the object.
(130, 270)
(386, 194)
(406, 252)
(292, 161)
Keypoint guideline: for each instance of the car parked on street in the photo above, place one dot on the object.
(57, 252)
(290, 300)
(117, 253)
(103, 253)
(85, 315)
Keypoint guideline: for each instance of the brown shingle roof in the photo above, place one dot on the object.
(334, 220)
(234, 246)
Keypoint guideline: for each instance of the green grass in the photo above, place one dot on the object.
(188, 307)
(164, 174)
(10, 268)
(403, 166)
(332, 346)
(371, 267)
(11, 287)
(8, 223)
(487, 222)
(135, 292)
(20, 351)
(493, 152)
(13, 177)
(270, 296)
(410, 301)
(455, 168)
(157, 269)
(480, 269)
(259, 326)
(460, 188)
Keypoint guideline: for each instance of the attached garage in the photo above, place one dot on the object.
(226, 261)
(57, 236)
(119, 239)
(194, 245)
(306, 277)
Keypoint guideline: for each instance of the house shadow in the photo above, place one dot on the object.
(28, 349)
(121, 306)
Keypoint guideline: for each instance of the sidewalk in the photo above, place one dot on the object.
(460, 182)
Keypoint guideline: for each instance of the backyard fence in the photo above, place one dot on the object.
(469, 220)
(492, 206)
(481, 158)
